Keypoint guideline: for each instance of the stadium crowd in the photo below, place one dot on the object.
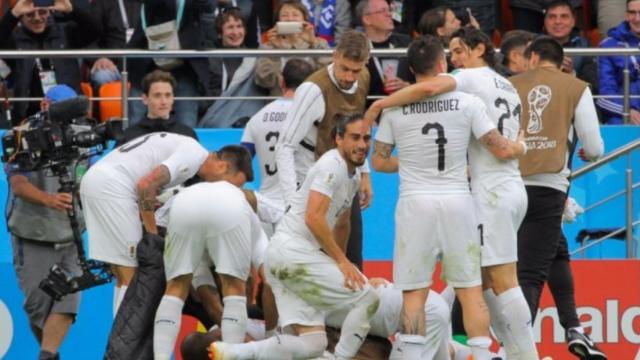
(172, 221)
(212, 24)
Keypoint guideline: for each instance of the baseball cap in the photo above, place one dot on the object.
(60, 92)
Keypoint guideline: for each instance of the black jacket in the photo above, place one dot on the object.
(148, 126)
(586, 67)
(190, 33)
(107, 12)
(75, 34)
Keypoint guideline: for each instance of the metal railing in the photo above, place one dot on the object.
(399, 52)
(628, 192)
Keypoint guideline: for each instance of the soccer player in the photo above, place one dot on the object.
(384, 323)
(119, 196)
(432, 136)
(308, 271)
(263, 130)
(339, 88)
(497, 187)
(210, 220)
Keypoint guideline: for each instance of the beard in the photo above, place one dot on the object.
(356, 160)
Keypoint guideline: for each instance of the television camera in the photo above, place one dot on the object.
(58, 140)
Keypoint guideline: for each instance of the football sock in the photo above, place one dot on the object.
(479, 346)
(166, 326)
(234, 319)
(305, 346)
(411, 346)
(121, 292)
(356, 325)
(517, 319)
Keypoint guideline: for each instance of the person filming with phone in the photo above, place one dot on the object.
(33, 77)
(292, 31)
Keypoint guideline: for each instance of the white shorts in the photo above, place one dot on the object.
(202, 275)
(114, 229)
(187, 244)
(431, 225)
(306, 282)
(269, 211)
(500, 210)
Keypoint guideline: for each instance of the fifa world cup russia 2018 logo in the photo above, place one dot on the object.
(539, 97)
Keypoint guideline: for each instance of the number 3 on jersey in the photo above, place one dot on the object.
(441, 140)
(271, 138)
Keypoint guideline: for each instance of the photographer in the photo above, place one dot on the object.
(41, 237)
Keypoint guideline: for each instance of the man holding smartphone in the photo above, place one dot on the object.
(33, 77)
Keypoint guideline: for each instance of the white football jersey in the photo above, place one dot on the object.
(329, 176)
(504, 110)
(432, 138)
(263, 130)
(128, 163)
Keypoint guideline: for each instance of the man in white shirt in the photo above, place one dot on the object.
(119, 196)
(432, 136)
(262, 132)
(308, 272)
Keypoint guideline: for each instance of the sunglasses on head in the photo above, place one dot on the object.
(40, 12)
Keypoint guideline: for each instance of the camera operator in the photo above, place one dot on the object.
(41, 237)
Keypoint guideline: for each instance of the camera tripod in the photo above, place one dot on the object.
(60, 283)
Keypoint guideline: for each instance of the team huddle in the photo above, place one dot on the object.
(462, 201)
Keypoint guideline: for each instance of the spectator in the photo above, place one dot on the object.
(232, 76)
(625, 35)
(514, 43)
(192, 75)
(528, 14)
(258, 14)
(157, 88)
(387, 74)
(610, 14)
(41, 236)
(560, 24)
(268, 69)
(411, 11)
(118, 20)
(480, 14)
(37, 31)
(440, 22)
(330, 18)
